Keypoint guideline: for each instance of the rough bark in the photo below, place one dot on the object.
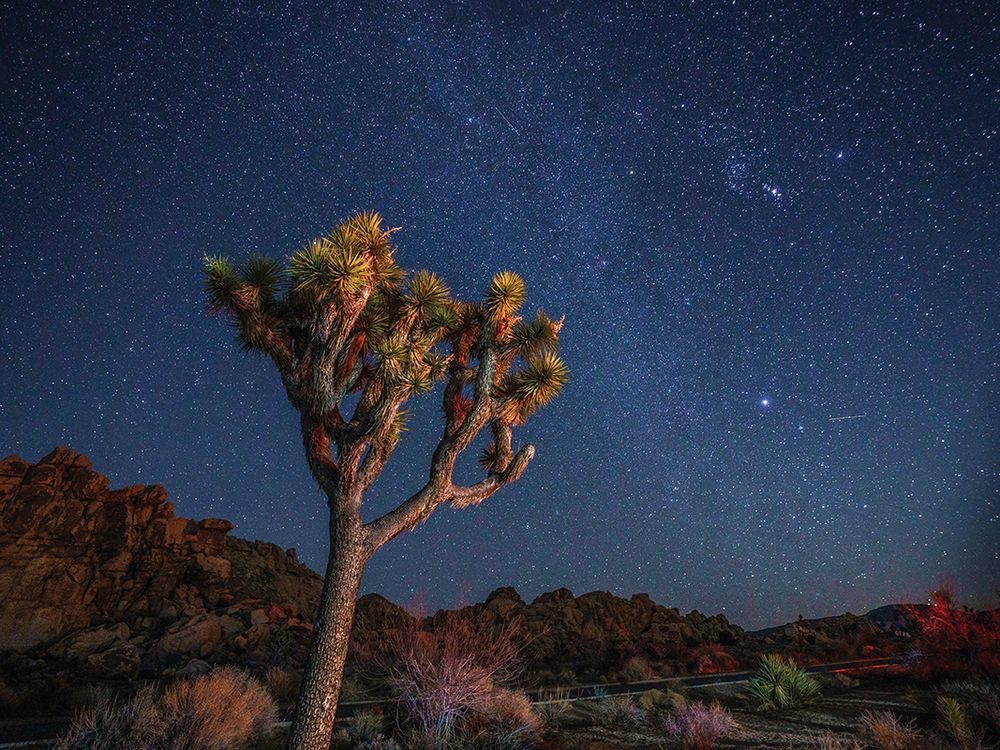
(317, 703)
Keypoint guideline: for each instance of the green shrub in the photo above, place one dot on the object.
(956, 725)
(779, 684)
(980, 700)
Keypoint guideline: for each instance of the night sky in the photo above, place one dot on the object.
(773, 230)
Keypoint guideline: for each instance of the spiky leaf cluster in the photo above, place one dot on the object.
(344, 317)
(780, 684)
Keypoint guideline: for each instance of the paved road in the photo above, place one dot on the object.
(35, 732)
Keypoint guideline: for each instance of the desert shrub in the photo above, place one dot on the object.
(117, 724)
(8, 699)
(509, 710)
(351, 689)
(886, 731)
(637, 669)
(499, 735)
(779, 684)
(830, 741)
(441, 676)
(554, 707)
(712, 658)
(281, 683)
(956, 725)
(699, 726)
(343, 740)
(659, 703)
(981, 701)
(954, 640)
(217, 711)
(615, 711)
(366, 726)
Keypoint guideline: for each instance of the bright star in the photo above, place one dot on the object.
(765, 402)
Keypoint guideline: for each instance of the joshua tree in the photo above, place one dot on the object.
(354, 337)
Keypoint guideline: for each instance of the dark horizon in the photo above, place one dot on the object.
(773, 232)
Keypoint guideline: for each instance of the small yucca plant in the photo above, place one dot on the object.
(780, 684)
(956, 724)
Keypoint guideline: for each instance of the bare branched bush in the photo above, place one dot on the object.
(440, 676)
(217, 711)
(886, 731)
(699, 726)
(956, 641)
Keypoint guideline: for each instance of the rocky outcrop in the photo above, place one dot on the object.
(112, 584)
(599, 631)
(114, 577)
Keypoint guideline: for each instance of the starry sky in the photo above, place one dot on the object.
(773, 229)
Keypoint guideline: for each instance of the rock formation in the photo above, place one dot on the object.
(105, 583)
(120, 579)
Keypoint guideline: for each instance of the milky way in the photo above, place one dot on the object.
(774, 233)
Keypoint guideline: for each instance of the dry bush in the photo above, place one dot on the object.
(699, 726)
(510, 709)
(712, 658)
(8, 699)
(217, 711)
(281, 683)
(833, 742)
(954, 640)
(441, 676)
(135, 724)
(886, 731)
(637, 669)
(554, 707)
(618, 711)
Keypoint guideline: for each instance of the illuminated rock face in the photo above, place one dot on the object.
(74, 553)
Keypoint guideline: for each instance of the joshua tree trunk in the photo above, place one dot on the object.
(320, 691)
